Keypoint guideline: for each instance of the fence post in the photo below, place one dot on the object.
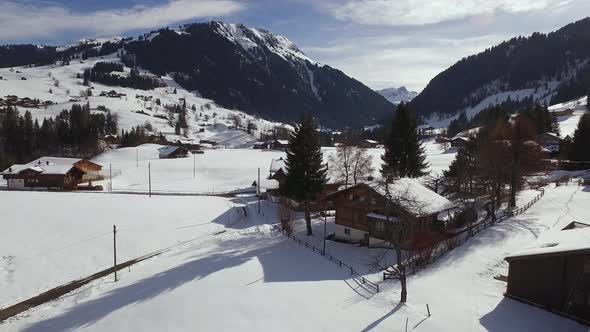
(428, 309)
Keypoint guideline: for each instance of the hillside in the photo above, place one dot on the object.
(544, 68)
(60, 86)
(237, 67)
(397, 95)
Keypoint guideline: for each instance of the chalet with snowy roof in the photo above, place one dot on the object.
(459, 142)
(363, 213)
(368, 144)
(549, 141)
(554, 272)
(172, 152)
(280, 144)
(51, 173)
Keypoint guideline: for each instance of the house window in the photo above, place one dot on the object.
(347, 231)
(379, 226)
(350, 197)
(362, 198)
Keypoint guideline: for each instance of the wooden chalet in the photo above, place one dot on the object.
(51, 173)
(368, 144)
(280, 144)
(364, 214)
(549, 141)
(554, 273)
(173, 152)
(459, 142)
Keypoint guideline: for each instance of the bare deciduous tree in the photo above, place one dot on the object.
(351, 164)
(401, 209)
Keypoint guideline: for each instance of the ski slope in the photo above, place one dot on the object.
(253, 279)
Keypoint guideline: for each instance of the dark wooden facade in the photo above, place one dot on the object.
(558, 282)
(363, 209)
(35, 179)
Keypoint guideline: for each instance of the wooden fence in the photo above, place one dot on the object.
(371, 285)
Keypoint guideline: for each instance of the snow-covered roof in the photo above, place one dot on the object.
(370, 141)
(416, 198)
(167, 150)
(468, 132)
(276, 164)
(555, 242)
(282, 141)
(45, 165)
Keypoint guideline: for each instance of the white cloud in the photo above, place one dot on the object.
(421, 12)
(386, 61)
(30, 20)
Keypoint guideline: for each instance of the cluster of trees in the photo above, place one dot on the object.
(75, 132)
(102, 73)
(579, 148)
(499, 156)
(542, 119)
(139, 135)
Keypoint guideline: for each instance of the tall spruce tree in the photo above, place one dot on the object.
(404, 155)
(306, 173)
(580, 150)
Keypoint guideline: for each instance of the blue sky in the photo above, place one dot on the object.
(382, 43)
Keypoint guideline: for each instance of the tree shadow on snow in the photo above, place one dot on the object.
(384, 317)
(280, 263)
(510, 315)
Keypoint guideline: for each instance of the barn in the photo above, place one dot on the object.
(554, 272)
(51, 173)
(173, 152)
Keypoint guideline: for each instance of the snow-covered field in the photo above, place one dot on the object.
(250, 278)
(51, 238)
(218, 170)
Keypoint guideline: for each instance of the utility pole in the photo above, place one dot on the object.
(258, 189)
(115, 250)
(110, 177)
(325, 222)
(150, 178)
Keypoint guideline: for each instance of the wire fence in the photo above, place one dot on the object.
(371, 285)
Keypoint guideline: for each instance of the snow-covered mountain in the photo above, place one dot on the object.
(258, 72)
(397, 95)
(542, 68)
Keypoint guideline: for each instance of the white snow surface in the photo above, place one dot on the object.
(250, 278)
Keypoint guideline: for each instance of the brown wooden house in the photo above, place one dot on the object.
(50, 173)
(362, 216)
(554, 273)
(173, 152)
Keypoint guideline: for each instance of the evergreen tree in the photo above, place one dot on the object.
(306, 173)
(580, 149)
(404, 155)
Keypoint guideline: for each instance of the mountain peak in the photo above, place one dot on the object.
(397, 95)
